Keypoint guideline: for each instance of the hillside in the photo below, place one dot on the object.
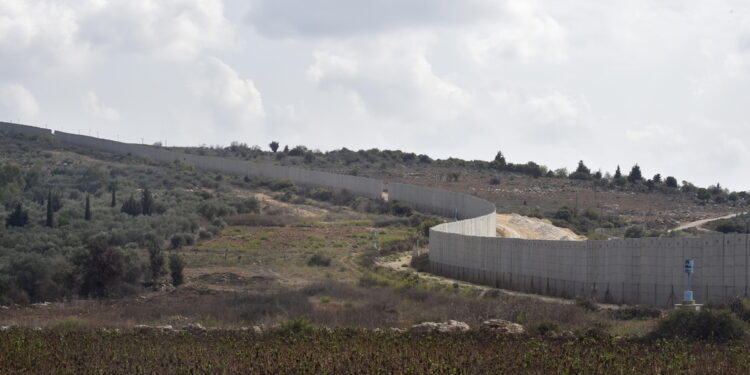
(613, 204)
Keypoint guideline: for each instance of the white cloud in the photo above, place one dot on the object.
(657, 133)
(96, 108)
(524, 33)
(287, 18)
(172, 29)
(391, 78)
(17, 102)
(234, 101)
(38, 35)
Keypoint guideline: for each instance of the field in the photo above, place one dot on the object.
(348, 351)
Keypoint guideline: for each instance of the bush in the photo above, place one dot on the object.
(708, 324)
(296, 326)
(741, 308)
(587, 304)
(634, 232)
(176, 265)
(401, 209)
(636, 313)
(319, 260)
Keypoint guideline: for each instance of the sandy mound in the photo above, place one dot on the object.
(529, 228)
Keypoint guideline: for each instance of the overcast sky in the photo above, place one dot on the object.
(665, 84)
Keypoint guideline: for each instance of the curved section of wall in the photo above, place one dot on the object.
(633, 271)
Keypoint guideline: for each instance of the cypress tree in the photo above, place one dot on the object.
(50, 214)
(131, 206)
(87, 213)
(114, 195)
(147, 202)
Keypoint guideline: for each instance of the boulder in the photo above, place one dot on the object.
(503, 326)
(450, 326)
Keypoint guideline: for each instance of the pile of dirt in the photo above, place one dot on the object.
(529, 228)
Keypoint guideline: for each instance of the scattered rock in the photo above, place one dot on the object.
(397, 330)
(195, 327)
(564, 335)
(258, 329)
(503, 326)
(5, 328)
(164, 328)
(450, 326)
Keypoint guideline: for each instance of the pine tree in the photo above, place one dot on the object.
(618, 173)
(147, 202)
(17, 218)
(635, 174)
(50, 213)
(87, 212)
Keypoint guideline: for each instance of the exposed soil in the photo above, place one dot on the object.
(529, 228)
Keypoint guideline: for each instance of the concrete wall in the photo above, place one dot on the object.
(10, 127)
(633, 271)
(358, 185)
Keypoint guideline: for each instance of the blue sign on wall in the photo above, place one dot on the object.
(689, 265)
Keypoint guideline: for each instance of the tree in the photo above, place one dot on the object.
(582, 172)
(657, 178)
(87, 211)
(671, 182)
(499, 161)
(147, 202)
(131, 206)
(274, 146)
(618, 173)
(703, 194)
(176, 265)
(635, 174)
(156, 264)
(286, 149)
(113, 187)
(17, 218)
(103, 268)
(50, 215)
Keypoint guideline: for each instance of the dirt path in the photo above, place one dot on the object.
(529, 228)
(699, 223)
(405, 258)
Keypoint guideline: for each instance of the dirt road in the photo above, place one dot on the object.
(699, 223)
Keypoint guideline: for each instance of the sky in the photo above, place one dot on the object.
(664, 84)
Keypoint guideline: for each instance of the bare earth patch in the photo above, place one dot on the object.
(529, 228)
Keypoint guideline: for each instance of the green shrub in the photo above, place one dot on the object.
(319, 260)
(635, 232)
(741, 308)
(296, 326)
(636, 313)
(545, 327)
(176, 265)
(708, 324)
(587, 304)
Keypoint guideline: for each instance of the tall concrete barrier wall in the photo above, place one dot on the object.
(10, 127)
(632, 271)
(358, 185)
